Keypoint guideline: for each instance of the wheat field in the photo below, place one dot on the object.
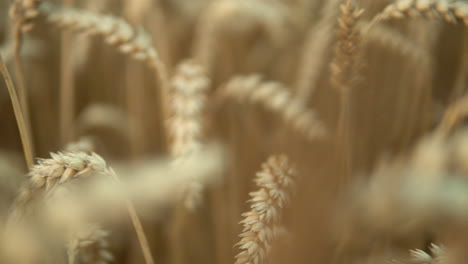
(233, 131)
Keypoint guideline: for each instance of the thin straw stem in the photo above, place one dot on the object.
(23, 129)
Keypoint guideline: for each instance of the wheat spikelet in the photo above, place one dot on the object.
(25, 12)
(60, 168)
(344, 64)
(437, 255)
(188, 98)
(276, 98)
(452, 12)
(275, 182)
(90, 244)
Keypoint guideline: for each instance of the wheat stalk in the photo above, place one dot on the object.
(24, 12)
(275, 182)
(315, 51)
(25, 133)
(451, 12)
(278, 99)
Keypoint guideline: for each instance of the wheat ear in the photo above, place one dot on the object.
(344, 70)
(278, 99)
(22, 127)
(275, 182)
(188, 100)
(451, 12)
(90, 243)
(62, 167)
(134, 42)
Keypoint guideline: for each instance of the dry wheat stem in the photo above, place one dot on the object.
(451, 12)
(22, 127)
(275, 182)
(23, 12)
(278, 99)
(67, 86)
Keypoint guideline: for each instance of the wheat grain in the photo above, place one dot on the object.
(275, 182)
(451, 12)
(278, 99)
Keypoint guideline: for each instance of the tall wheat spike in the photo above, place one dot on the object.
(452, 12)
(275, 182)
(278, 99)
(344, 70)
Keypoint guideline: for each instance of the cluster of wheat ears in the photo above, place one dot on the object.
(340, 122)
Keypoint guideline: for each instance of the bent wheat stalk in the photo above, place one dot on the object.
(134, 42)
(275, 182)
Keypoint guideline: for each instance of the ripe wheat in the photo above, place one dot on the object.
(278, 99)
(275, 182)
